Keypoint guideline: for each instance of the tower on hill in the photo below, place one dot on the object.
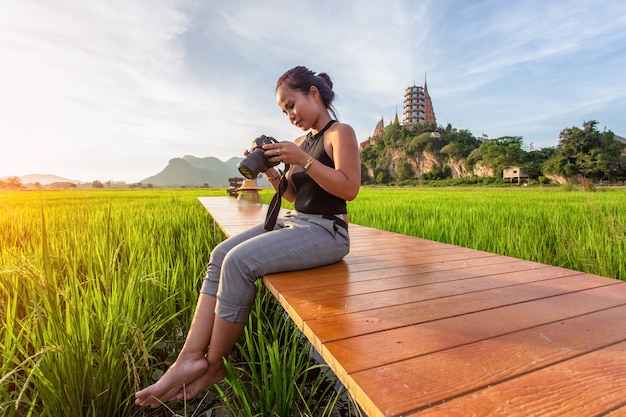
(418, 107)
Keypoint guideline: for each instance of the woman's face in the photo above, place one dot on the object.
(301, 109)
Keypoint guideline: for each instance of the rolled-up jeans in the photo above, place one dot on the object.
(298, 241)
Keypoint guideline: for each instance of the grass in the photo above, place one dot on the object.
(576, 230)
(93, 292)
(98, 287)
(274, 373)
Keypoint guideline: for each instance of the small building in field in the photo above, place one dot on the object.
(515, 174)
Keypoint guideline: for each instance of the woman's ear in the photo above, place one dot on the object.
(314, 92)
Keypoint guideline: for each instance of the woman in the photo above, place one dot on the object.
(324, 173)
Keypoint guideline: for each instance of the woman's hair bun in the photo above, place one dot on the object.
(326, 78)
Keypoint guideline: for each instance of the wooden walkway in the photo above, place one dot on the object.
(414, 327)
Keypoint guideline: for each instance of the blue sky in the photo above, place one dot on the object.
(112, 90)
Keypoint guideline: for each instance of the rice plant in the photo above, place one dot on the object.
(95, 289)
(273, 372)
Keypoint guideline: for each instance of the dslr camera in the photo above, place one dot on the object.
(256, 161)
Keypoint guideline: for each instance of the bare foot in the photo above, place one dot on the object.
(183, 373)
(212, 376)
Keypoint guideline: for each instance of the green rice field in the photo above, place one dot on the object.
(97, 287)
(585, 231)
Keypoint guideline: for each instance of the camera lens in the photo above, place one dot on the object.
(253, 164)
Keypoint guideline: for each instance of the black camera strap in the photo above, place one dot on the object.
(274, 207)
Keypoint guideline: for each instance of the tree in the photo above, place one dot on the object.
(381, 176)
(404, 171)
(369, 155)
(609, 160)
(499, 153)
(11, 183)
(438, 173)
(586, 152)
(535, 160)
(420, 143)
(459, 143)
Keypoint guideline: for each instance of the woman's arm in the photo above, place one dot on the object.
(345, 179)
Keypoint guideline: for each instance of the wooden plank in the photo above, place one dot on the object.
(371, 350)
(397, 290)
(345, 272)
(430, 255)
(487, 264)
(363, 281)
(619, 412)
(586, 385)
(339, 275)
(231, 219)
(335, 321)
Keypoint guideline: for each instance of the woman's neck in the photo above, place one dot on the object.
(320, 124)
(319, 134)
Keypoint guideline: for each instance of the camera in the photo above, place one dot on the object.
(256, 161)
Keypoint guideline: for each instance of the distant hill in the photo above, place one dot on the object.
(45, 179)
(192, 171)
(188, 171)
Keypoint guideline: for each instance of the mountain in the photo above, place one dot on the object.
(44, 179)
(192, 171)
(188, 171)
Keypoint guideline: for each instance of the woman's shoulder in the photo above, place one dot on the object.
(299, 140)
(339, 129)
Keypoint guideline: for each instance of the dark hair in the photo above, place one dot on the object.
(302, 79)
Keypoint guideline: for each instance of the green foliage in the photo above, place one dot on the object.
(534, 161)
(395, 135)
(459, 143)
(497, 154)
(452, 150)
(382, 176)
(420, 143)
(95, 288)
(587, 152)
(404, 171)
(364, 174)
(438, 173)
(445, 181)
(369, 156)
(276, 374)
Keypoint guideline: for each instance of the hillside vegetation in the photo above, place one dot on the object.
(428, 152)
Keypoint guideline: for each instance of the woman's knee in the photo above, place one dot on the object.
(239, 263)
(218, 253)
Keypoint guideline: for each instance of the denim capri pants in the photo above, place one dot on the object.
(298, 241)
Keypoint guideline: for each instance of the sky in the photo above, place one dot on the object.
(114, 89)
